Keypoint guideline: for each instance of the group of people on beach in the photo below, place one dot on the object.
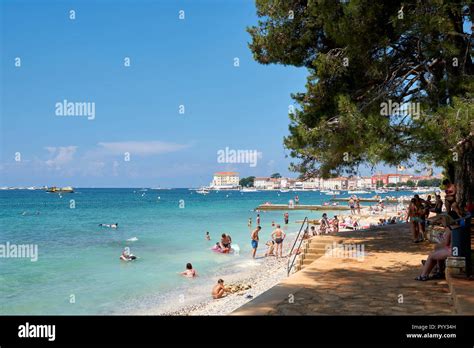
(452, 218)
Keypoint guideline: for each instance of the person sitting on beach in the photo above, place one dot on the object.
(335, 224)
(208, 236)
(190, 272)
(441, 253)
(278, 236)
(324, 225)
(225, 243)
(271, 246)
(115, 225)
(218, 291)
(126, 255)
(313, 231)
(450, 198)
(254, 242)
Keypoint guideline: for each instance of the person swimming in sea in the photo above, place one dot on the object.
(115, 225)
(208, 236)
(127, 256)
(190, 272)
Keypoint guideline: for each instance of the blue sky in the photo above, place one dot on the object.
(174, 62)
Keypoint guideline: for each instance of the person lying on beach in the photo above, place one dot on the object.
(218, 291)
(115, 225)
(190, 272)
(208, 236)
(278, 236)
(127, 256)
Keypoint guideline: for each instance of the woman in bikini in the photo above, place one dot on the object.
(414, 219)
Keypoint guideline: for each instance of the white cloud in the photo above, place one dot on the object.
(60, 155)
(140, 148)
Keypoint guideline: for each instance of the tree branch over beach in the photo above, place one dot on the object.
(389, 82)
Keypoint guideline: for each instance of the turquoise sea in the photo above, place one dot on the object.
(78, 270)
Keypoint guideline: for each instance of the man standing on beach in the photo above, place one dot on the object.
(287, 217)
(278, 236)
(254, 237)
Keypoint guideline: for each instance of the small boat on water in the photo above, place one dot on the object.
(381, 191)
(332, 193)
(249, 189)
(203, 191)
(284, 190)
(359, 192)
(54, 189)
(423, 190)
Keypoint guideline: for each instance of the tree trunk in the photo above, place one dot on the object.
(464, 172)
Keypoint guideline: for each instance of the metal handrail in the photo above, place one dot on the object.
(299, 246)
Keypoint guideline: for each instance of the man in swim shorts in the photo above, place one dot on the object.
(254, 242)
(278, 236)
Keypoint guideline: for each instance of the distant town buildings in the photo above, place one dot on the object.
(230, 180)
(338, 183)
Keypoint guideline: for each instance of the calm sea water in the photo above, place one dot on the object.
(79, 261)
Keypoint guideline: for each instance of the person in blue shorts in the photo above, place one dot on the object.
(254, 237)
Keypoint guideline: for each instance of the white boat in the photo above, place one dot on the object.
(324, 191)
(203, 191)
(284, 190)
(381, 191)
(249, 189)
(423, 190)
(359, 192)
(333, 193)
